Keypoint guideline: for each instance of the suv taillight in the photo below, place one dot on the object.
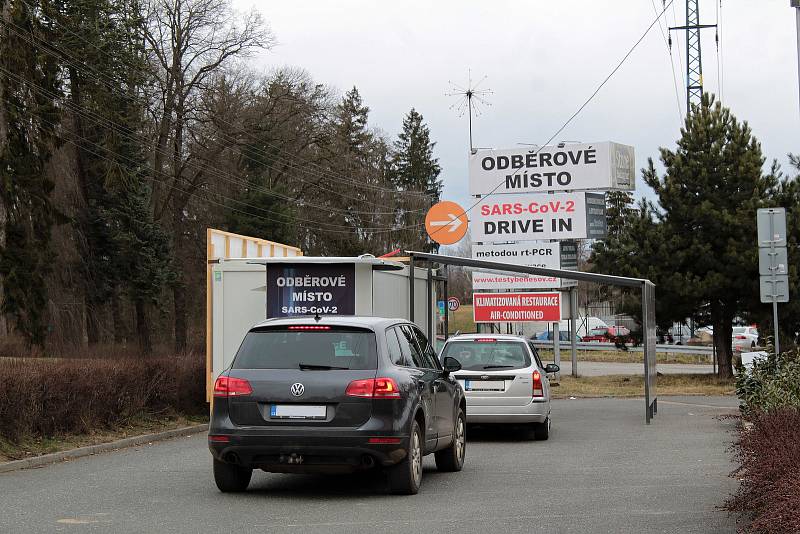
(740, 337)
(373, 388)
(227, 386)
(538, 390)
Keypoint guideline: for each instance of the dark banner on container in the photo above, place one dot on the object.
(310, 289)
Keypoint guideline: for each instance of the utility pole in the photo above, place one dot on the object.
(694, 61)
(796, 5)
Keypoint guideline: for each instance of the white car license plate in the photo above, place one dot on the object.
(484, 385)
(298, 411)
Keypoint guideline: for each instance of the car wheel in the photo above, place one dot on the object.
(406, 477)
(541, 431)
(752, 345)
(231, 478)
(451, 459)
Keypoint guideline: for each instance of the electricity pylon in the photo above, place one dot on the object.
(694, 60)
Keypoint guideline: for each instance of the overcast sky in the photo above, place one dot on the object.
(541, 60)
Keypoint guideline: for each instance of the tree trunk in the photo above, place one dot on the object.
(179, 286)
(143, 327)
(92, 326)
(179, 299)
(116, 316)
(722, 320)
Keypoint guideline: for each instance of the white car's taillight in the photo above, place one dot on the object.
(538, 389)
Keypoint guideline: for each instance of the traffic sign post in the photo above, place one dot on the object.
(773, 261)
(453, 303)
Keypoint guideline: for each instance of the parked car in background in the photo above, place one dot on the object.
(504, 380)
(335, 395)
(679, 334)
(745, 338)
(547, 335)
(609, 334)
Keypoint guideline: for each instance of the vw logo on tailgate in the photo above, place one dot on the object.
(297, 389)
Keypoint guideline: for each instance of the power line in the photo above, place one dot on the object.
(336, 228)
(88, 114)
(577, 112)
(671, 63)
(322, 170)
(63, 57)
(720, 64)
(678, 44)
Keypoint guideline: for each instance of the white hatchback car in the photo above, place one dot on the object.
(745, 338)
(504, 380)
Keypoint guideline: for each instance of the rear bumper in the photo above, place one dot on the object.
(284, 451)
(534, 412)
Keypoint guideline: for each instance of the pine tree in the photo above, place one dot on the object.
(708, 200)
(29, 87)
(416, 170)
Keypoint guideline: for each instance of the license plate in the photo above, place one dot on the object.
(484, 385)
(297, 411)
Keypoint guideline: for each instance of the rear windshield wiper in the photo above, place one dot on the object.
(313, 367)
(497, 366)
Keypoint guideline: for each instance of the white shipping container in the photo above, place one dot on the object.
(238, 296)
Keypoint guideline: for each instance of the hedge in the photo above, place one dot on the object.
(42, 397)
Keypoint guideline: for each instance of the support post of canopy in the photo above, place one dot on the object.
(411, 288)
(573, 340)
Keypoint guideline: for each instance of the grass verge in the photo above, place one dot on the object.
(625, 357)
(633, 386)
(36, 446)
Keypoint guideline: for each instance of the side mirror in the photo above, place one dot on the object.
(551, 368)
(451, 365)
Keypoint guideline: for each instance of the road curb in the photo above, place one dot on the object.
(90, 450)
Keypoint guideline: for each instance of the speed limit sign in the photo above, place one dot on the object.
(453, 303)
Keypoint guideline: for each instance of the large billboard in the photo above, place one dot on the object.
(310, 288)
(516, 307)
(538, 217)
(578, 166)
(529, 254)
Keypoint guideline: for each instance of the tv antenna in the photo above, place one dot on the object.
(470, 100)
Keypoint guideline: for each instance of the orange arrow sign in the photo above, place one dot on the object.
(446, 223)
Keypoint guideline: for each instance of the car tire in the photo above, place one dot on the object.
(541, 431)
(406, 477)
(231, 478)
(451, 459)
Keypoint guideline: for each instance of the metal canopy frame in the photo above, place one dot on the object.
(648, 304)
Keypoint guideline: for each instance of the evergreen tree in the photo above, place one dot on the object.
(122, 249)
(29, 86)
(708, 200)
(350, 149)
(415, 169)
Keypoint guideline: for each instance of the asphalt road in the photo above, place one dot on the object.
(617, 368)
(602, 470)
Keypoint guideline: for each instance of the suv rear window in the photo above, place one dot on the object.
(285, 348)
(482, 355)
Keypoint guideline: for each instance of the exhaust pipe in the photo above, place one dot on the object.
(367, 461)
(232, 458)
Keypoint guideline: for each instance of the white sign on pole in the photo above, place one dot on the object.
(577, 166)
(531, 217)
(530, 254)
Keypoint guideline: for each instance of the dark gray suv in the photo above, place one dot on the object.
(333, 395)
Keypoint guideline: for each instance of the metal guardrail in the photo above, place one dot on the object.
(599, 345)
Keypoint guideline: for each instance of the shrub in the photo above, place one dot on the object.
(769, 452)
(44, 397)
(773, 382)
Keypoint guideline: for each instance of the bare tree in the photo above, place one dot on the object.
(189, 41)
